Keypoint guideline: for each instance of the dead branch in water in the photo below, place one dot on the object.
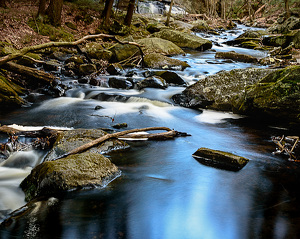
(169, 134)
(287, 145)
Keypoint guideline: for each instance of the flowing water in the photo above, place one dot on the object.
(163, 191)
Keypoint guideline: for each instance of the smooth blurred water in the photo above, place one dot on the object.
(163, 191)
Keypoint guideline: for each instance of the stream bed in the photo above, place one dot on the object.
(163, 192)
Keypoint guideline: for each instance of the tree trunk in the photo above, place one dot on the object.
(249, 10)
(42, 8)
(169, 13)
(54, 12)
(130, 10)
(107, 10)
(287, 8)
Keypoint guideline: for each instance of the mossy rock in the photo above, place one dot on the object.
(86, 69)
(184, 40)
(250, 45)
(9, 94)
(158, 61)
(95, 50)
(220, 159)
(277, 95)
(223, 91)
(236, 56)
(74, 172)
(200, 26)
(124, 51)
(158, 45)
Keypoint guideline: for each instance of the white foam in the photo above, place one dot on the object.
(215, 117)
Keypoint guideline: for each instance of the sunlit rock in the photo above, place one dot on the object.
(158, 45)
(158, 61)
(184, 40)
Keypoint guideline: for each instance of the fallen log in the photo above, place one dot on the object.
(29, 72)
(82, 148)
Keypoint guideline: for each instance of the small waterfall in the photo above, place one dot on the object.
(12, 172)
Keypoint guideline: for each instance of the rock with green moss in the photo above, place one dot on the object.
(200, 26)
(223, 91)
(236, 56)
(285, 25)
(158, 61)
(220, 159)
(276, 95)
(283, 40)
(95, 50)
(9, 94)
(158, 45)
(249, 39)
(87, 169)
(87, 69)
(124, 51)
(184, 40)
(74, 172)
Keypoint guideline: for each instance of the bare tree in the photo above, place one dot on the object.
(54, 12)
(107, 10)
(42, 8)
(130, 11)
(169, 13)
(287, 8)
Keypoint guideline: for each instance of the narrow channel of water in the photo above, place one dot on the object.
(163, 191)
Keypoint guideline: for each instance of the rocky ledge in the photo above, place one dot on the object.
(254, 91)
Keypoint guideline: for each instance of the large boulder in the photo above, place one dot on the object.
(222, 91)
(267, 93)
(158, 45)
(285, 25)
(87, 169)
(124, 51)
(73, 172)
(283, 40)
(184, 40)
(158, 61)
(220, 159)
(276, 95)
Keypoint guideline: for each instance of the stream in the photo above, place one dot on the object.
(163, 192)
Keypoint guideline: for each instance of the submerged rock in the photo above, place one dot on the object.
(184, 40)
(220, 159)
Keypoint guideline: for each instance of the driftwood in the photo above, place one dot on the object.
(169, 134)
(287, 145)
